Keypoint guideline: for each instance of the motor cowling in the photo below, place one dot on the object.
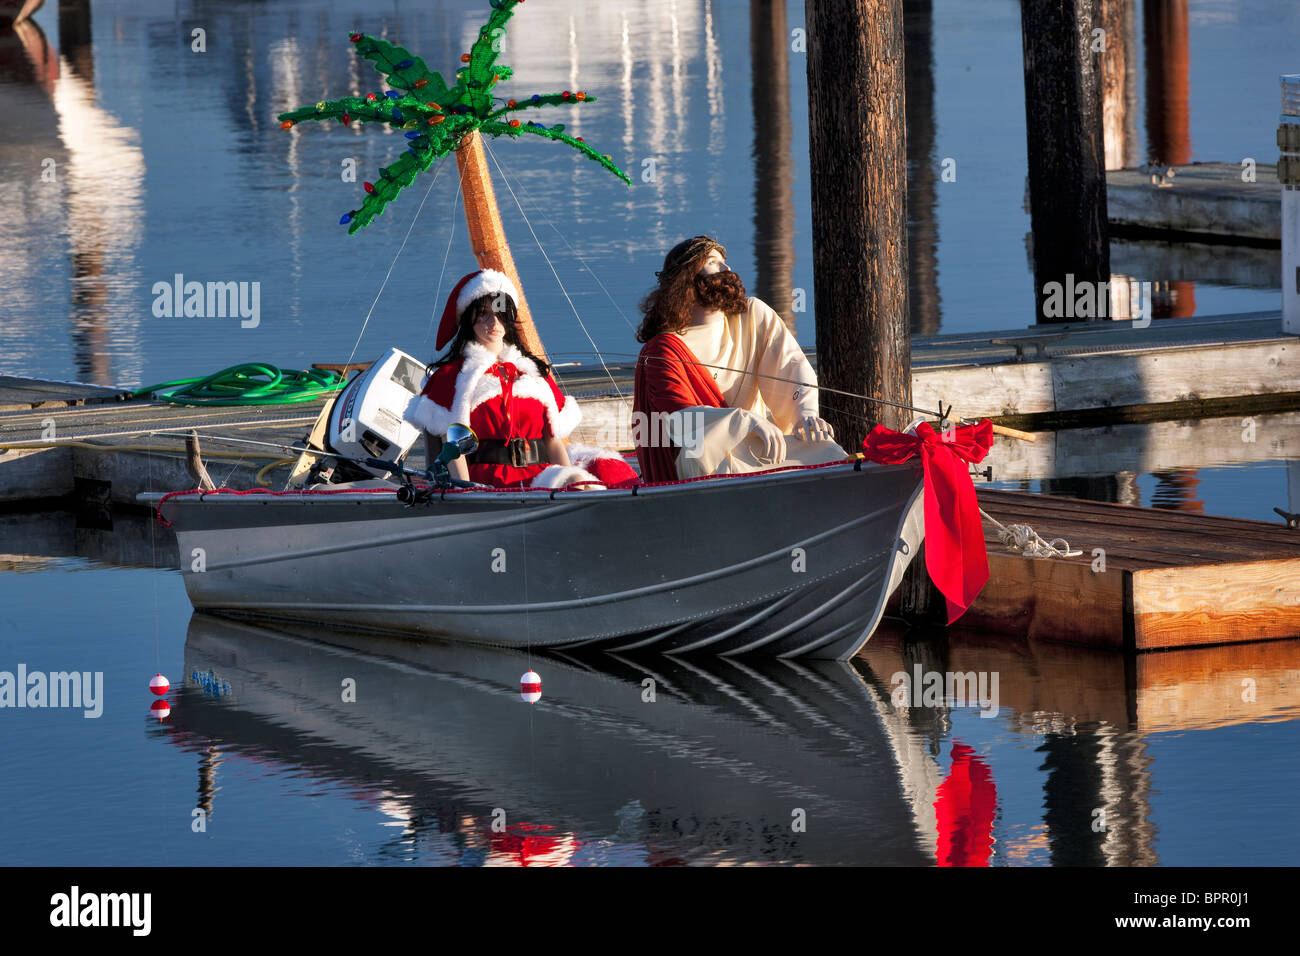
(369, 418)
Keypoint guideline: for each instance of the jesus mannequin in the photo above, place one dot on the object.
(738, 392)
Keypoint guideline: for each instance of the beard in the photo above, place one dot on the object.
(721, 291)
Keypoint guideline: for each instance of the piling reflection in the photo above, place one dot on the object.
(1168, 123)
(91, 166)
(924, 307)
(1093, 714)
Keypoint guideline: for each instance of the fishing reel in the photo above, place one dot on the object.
(461, 440)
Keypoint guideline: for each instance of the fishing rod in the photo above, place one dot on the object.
(437, 473)
(942, 414)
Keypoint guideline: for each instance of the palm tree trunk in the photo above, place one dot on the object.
(487, 235)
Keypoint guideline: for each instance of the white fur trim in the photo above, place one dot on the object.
(583, 455)
(558, 476)
(429, 415)
(567, 418)
(474, 387)
(487, 282)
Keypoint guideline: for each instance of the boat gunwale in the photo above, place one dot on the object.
(513, 497)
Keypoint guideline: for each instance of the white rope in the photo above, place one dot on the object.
(360, 335)
(1023, 538)
(600, 357)
(576, 254)
(437, 295)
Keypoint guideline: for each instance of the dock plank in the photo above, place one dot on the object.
(1169, 578)
(1202, 200)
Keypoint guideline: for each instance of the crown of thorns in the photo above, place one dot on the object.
(688, 250)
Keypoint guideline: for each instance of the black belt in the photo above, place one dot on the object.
(517, 452)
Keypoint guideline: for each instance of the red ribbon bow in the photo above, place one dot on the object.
(505, 371)
(955, 555)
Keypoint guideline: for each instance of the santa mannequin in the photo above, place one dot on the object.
(490, 382)
(738, 392)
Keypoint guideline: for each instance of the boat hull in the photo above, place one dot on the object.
(793, 563)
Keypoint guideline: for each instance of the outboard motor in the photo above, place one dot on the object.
(369, 417)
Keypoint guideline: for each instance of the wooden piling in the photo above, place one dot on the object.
(857, 142)
(769, 49)
(1063, 130)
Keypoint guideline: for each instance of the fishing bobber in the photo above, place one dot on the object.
(530, 687)
(159, 685)
(160, 709)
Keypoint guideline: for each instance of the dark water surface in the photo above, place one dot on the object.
(718, 767)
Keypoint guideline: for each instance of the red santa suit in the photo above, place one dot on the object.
(504, 397)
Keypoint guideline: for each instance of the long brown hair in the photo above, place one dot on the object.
(507, 312)
(667, 308)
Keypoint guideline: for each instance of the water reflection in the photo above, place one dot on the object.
(655, 761)
(231, 198)
(924, 305)
(670, 761)
(1198, 465)
(96, 175)
(1169, 138)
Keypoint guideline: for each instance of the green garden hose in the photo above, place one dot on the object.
(253, 383)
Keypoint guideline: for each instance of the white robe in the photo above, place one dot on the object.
(718, 441)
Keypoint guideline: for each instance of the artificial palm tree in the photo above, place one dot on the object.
(438, 120)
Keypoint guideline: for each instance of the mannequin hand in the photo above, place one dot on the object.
(772, 438)
(814, 429)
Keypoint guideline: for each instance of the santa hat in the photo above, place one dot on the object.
(468, 289)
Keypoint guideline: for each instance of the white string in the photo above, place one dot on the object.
(558, 280)
(1023, 538)
(437, 295)
(433, 179)
(577, 255)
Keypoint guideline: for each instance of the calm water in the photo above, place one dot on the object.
(715, 769)
(169, 161)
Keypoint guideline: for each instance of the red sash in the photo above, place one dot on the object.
(668, 378)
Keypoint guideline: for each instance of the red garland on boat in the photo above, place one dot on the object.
(954, 537)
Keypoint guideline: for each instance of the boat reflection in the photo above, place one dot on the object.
(660, 761)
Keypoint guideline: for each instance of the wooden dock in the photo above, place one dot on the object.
(1202, 201)
(86, 443)
(1147, 579)
(1160, 260)
(1060, 375)
(1098, 373)
(1057, 687)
